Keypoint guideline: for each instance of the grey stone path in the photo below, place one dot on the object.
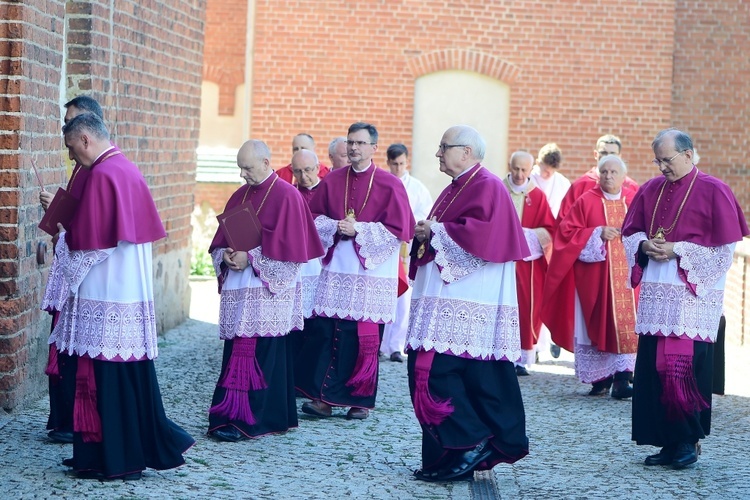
(580, 446)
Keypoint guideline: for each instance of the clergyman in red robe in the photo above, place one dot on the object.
(594, 315)
(538, 225)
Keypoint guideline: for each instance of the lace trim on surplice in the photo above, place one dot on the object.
(673, 310)
(356, 297)
(76, 264)
(704, 266)
(256, 312)
(277, 275)
(327, 228)
(99, 328)
(465, 328)
(453, 261)
(57, 290)
(631, 244)
(376, 243)
(595, 249)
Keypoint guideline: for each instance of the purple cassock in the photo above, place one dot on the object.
(356, 292)
(681, 301)
(260, 305)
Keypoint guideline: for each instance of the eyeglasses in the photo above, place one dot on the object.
(305, 170)
(359, 144)
(443, 146)
(665, 162)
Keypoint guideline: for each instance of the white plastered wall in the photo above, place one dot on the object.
(457, 97)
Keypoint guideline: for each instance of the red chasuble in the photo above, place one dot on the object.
(585, 183)
(608, 306)
(535, 213)
(285, 173)
(116, 205)
(289, 232)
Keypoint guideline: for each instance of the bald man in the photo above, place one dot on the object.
(538, 225)
(260, 304)
(300, 142)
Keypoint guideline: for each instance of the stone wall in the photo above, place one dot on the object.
(142, 60)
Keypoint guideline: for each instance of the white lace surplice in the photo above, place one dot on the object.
(263, 300)
(346, 289)
(667, 304)
(464, 305)
(109, 313)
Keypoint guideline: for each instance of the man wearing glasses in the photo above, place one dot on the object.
(679, 238)
(606, 145)
(463, 334)
(301, 141)
(362, 214)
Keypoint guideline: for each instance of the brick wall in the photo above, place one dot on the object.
(583, 69)
(30, 61)
(224, 52)
(710, 89)
(143, 62)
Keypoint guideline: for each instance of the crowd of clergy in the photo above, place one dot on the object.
(325, 271)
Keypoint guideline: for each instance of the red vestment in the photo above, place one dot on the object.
(285, 173)
(608, 306)
(535, 213)
(584, 183)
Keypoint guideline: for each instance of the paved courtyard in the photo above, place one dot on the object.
(580, 446)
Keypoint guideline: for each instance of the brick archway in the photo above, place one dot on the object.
(463, 59)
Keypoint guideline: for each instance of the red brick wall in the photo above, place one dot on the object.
(30, 59)
(224, 52)
(143, 62)
(584, 69)
(711, 90)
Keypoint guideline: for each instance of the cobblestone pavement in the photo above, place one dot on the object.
(580, 446)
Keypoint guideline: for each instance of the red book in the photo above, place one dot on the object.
(62, 209)
(241, 227)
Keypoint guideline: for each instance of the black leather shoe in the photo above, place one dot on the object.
(521, 371)
(397, 357)
(684, 455)
(228, 433)
(434, 476)
(67, 462)
(621, 389)
(600, 388)
(133, 476)
(554, 350)
(664, 457)
(466, 462)
(64, 437)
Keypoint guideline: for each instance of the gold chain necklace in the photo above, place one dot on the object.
(661, 232)
(263, 201)
(422, 247)
(349, 211)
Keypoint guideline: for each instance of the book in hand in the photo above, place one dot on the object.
(241, 227)
(61, 210)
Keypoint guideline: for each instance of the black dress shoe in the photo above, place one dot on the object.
(466, 462)
(133, 476)
(64, 437)
(67, 462)
(684, 455)
(664, 457)
(601, 387)
(521, 371)
(554, 350)
(228, 433)
(397, 357)
(621, 389)
(434, 476)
